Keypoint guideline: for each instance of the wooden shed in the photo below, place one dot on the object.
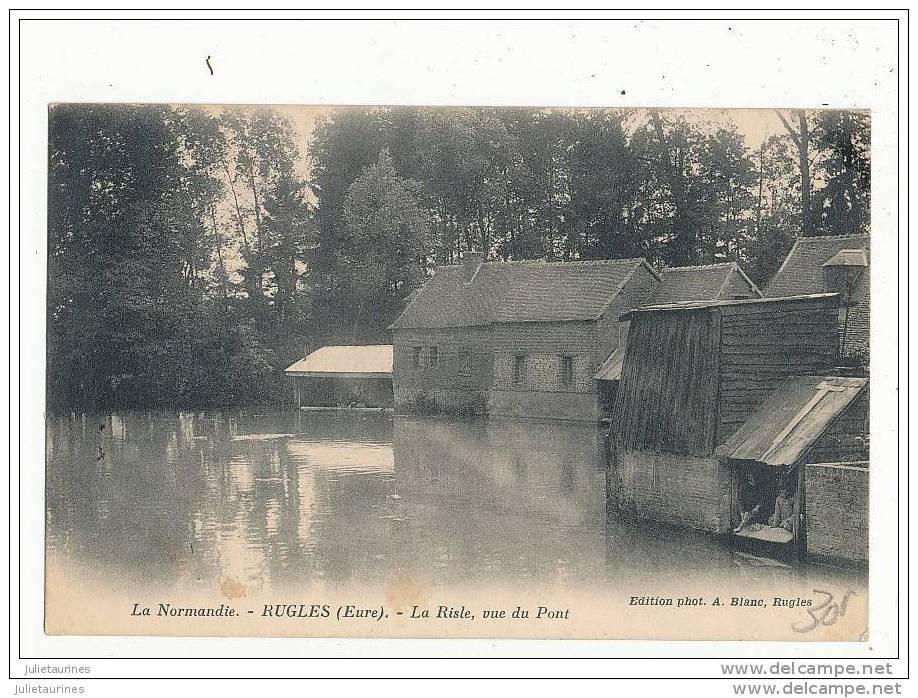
(705, 283)
(344, 376)
(692, 375)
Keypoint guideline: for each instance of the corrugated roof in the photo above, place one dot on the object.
(525, 291)
(705, 282)
(373, 359)
(792, 419)
(701, 305)
(802, 271)
(611, 369)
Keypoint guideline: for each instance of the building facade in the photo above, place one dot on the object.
(532, 338)
(839, 264)
(708, 282)
(516, 339)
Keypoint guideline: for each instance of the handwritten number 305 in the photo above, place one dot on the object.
(824, 613)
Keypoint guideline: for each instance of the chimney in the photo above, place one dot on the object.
(470, 263)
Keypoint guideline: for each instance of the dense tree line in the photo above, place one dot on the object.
(190, 259)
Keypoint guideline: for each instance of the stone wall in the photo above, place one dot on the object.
(540, 390)
(837, 512)
(459, 381)
(689, 491)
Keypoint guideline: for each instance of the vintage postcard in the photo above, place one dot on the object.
(458, 372)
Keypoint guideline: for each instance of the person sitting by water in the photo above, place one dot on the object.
(750, 502)
(783, 516)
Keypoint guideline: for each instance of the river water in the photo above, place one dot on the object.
(180, 501)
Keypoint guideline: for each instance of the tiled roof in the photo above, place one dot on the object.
(525, 291)
(706, 282)
(345, 360)
(565, 290)
(802, 270)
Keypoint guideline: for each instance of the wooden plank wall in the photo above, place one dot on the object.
(763, 344)
(666, 400)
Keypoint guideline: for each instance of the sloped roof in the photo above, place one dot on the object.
(525, 291)
(705, 282)
(762, 303)
(565, 290)
(611, 369)
(792, 419)
(802, 272)
(698, 284)
(353, 361)
(847, 258)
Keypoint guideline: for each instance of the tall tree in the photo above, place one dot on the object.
(122, 266)
(727, 179)
(602, 216)
(843, 202)
(288, 234)
(342, 144)
(260, 156)
(801, 139)
(382, 259)
(777, 209)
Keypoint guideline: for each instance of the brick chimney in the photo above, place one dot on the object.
(470, 263)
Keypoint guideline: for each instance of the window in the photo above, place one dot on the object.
(519, 368)
(465, 363)
(567, 370)
(433, 357)
(416, 357)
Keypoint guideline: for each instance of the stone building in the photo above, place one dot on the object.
(514, 338)
(840, 264)
(534, 338)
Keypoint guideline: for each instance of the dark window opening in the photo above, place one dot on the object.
(465, 363)
(416, 357)
(567, 370)
(433, 356)
(519, 368)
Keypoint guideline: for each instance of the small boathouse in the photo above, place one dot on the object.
(343, 376)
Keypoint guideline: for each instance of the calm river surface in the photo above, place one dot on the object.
(178, 501)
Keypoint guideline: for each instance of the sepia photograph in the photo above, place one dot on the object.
(366, 367)
(373, 345)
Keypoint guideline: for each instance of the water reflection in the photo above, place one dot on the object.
(276, 501)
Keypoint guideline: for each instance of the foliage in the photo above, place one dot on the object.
(195, 253)
(162, 289)
(382, 251)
